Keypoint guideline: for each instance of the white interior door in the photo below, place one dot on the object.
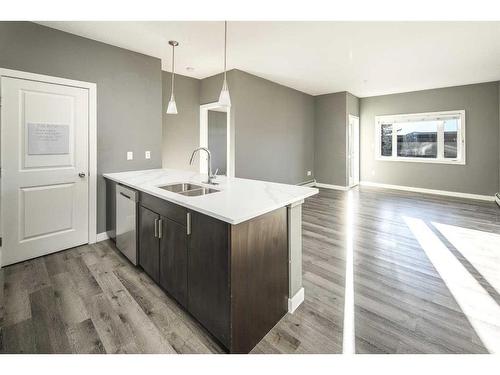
(353, 150)
(44, 180)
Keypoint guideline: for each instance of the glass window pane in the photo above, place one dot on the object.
(417, 139)
(450, 138)
(386, 140)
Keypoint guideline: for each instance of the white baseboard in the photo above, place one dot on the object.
(103, 236)
(295, 301)
(429, 191)
(334, 187)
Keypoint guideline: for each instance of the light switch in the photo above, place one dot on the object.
(147, 154)
(130, 155)
(308, 173)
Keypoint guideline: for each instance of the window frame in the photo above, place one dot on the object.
(461, 143)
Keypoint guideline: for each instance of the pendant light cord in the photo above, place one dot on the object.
(225, 48)
(173, 74)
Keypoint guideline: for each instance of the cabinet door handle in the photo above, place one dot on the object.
(156, 227)
(160, 228)
(188, 223)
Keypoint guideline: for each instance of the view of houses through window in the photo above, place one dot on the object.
(427, 137)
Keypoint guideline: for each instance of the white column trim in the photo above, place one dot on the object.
(295, 301)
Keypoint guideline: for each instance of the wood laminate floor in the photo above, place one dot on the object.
(426, 280)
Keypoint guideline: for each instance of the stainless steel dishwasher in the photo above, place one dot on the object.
(126, 222)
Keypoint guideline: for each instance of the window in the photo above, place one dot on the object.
(437, 137)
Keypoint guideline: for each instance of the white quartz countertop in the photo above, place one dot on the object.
(238, 200)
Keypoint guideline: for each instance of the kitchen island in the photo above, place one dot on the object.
(230, 253)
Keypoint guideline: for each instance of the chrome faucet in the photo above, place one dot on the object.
(209, 163)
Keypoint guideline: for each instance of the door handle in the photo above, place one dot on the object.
(156, 227)
(81, 175)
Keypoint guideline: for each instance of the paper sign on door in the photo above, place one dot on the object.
(48, 139)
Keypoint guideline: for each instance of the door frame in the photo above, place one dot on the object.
(350, 183)
(92, 146)
(204, 137)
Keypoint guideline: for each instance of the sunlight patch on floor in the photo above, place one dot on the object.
(481, 249)
(478, 306)
(348, 342)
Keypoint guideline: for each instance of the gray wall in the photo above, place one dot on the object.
(330, 139)
(352, 105)
(272, 125)
(480, 175)
(217, 140)
(210, 87)
(128, 92)
(274, 131)
(181, 132)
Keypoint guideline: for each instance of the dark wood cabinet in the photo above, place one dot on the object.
(149, 252)
(208, 275)
(232, 278)
(163, 245)
(259, 278)
(173, 259)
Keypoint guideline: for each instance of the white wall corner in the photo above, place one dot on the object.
(103, 236)
(329, 186)
(296, 300)
(310, 183)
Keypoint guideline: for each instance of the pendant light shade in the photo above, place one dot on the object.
(224, 98)
(172, 107)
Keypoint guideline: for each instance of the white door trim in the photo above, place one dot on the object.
(92, 162)
(204, 137)
(352, 183)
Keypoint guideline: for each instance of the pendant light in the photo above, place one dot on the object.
(172, 107)
(224, 99)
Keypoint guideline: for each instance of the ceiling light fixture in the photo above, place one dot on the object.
(224, 99)
(172, 107)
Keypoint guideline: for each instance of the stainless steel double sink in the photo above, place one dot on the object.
(188, 189)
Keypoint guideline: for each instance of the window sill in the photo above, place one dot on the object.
(418, 160)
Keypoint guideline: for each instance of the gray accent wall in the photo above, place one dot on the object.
(274, 131)
(272, 126)
(330, 133)
(181, 132)
(480, 175)
(217, 140)
(330, 136)
(352, 105)
(129, 92)
(210, 87)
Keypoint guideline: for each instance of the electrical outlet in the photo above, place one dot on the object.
(309, 173)
(147, 154)
(130, 155)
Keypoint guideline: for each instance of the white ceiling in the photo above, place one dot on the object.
(364, 58)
